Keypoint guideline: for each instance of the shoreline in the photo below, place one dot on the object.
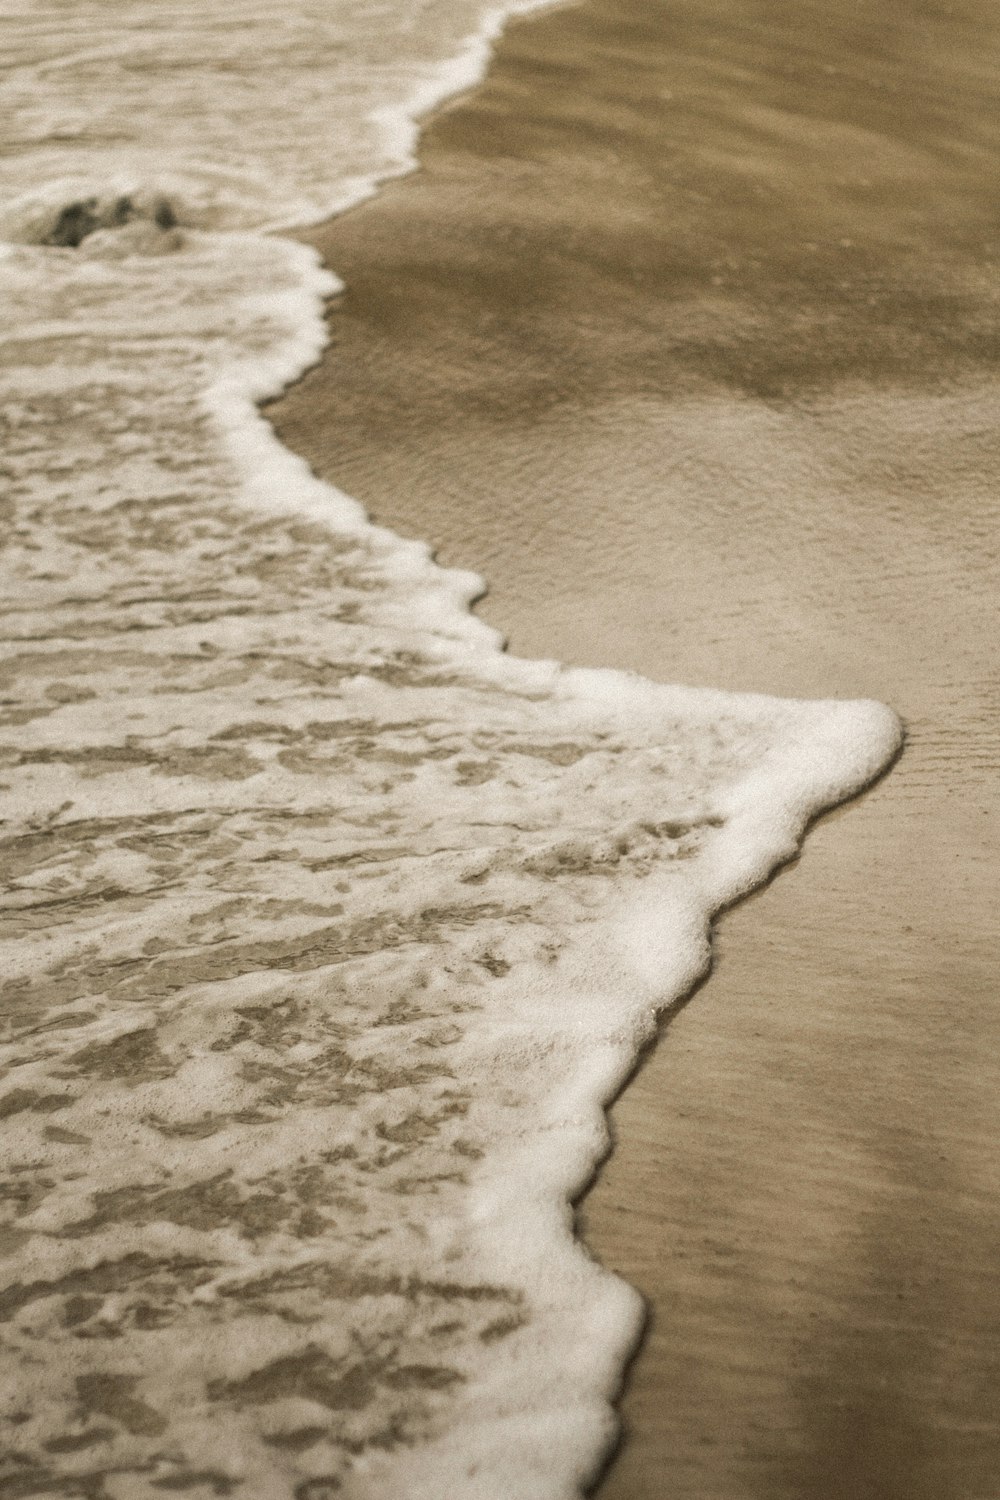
(811, 432)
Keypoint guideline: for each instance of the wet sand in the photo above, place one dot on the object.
(686, 337)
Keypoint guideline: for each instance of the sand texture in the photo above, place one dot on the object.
(686, 337)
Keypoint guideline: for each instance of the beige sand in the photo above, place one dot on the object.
(685, 336)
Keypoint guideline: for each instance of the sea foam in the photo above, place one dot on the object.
(330, 929)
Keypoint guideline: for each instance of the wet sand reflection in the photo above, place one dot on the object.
(686, 336)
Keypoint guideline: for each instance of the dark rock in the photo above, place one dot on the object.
(82, 217)
(74, 223)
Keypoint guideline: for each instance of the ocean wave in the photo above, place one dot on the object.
(330, 928)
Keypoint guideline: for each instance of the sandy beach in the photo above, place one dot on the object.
(685, 337)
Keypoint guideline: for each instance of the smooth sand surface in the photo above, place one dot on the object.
(686, 337)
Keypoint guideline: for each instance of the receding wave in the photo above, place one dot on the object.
(330, 929)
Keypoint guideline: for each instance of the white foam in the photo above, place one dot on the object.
(332, 928)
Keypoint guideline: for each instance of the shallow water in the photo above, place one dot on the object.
(687, 334)
(330, 929)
